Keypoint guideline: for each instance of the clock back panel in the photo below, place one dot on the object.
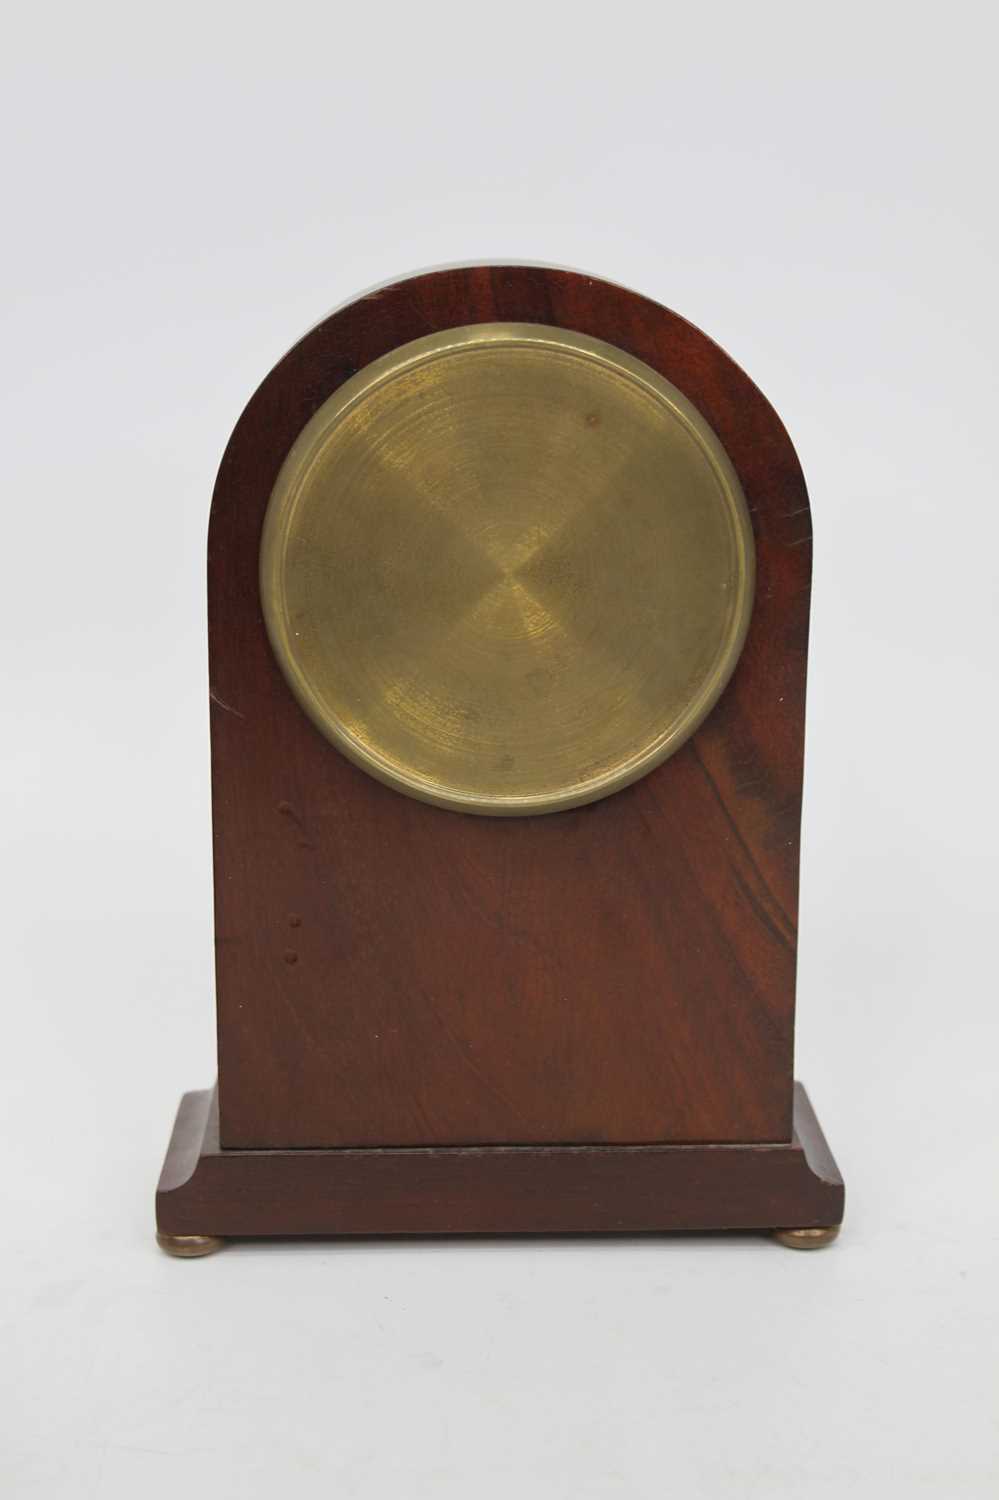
(393, 973)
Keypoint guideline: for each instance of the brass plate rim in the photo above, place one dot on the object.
(290, 483)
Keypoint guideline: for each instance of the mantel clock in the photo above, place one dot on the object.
(508, 591)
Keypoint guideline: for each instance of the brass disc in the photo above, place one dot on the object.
(507, 568)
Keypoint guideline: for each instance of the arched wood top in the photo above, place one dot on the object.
(671, 905)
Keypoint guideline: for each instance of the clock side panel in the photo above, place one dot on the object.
(390, 973)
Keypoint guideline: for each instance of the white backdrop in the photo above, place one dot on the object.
(186, 189)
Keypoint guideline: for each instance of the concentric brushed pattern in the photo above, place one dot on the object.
(507, 569)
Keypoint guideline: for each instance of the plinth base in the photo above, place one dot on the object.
(207, 1194)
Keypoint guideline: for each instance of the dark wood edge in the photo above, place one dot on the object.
(190, 1140)
(492, 1189)
(808, 1135)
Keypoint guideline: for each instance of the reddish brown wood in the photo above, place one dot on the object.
(391, 974)
(493, 1189)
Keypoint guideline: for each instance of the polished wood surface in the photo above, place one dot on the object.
(393, 974)
(205, 1190)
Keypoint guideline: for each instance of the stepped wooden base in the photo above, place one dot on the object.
(207, 1194)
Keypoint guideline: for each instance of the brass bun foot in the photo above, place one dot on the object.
(188, 1246)
(806, 1239)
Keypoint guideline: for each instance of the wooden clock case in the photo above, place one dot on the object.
(434, 1022)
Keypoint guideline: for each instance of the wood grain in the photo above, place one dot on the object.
(391, 974)
(492, 1189)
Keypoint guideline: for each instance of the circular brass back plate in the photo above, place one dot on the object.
(507, 568)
